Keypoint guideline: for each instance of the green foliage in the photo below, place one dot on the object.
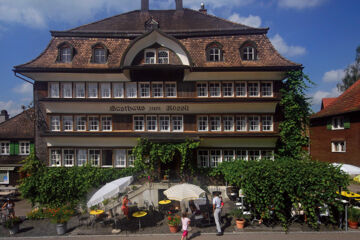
(11, 222)
(296, 110)
(281, 184)
(173, 220)
(58, 186)
(352, 73)
(237, 213)
(36, 214)
(354, 214)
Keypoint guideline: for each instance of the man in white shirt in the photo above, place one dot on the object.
(217, 211)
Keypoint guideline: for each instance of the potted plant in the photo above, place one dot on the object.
(239, 217)
(173, 222)
(60, 216)
(354, 216)
(13, 225)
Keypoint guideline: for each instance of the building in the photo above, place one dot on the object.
(16, 143)
(166, 75)
(335, 129)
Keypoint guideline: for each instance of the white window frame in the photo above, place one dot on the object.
(203, 158)
(137, 121)
(214, 54)
(265, 91)
(105, 89)
(228, 119)
(240, 154)
(215, 154)
(150, 120)
(5, 148)
(7, 177)
(54, 90)
(24, 147)
(250, 156)
(213, 90)
(118, 90)
(251, 119)
(66, 159)
(249, 52)
(65, 55)
(91, 120)
(55, 123)
(100, 55)
(237, 87)
(144, 90)
(80, 91)
(130, 158)
(337, 123)
(335, 146)
(57, 162)
(225, 88)
(250, 92)
(239, 120)
(217, 120)
(163, 60)
(154, 86)
(203, 120)
(164, 120)
(150, 60)
(267, 123)
(78, 125)
(264, 153)
(67, 90)
(120, 158)
(92, 153)
(175, 120)
(106, 123)
(170, 87)
(131, 89)
(67, 127)
(93, 90)
(202, 88)
(79, 160)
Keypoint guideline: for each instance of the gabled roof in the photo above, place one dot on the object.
(347, 102)
(326, 102)
(170, 21)
(19, 127)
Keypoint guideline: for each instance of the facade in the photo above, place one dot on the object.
(165, 75)
(335, 129)
(16, 143)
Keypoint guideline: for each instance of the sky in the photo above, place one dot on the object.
(322, 35)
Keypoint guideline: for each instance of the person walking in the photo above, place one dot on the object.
(185, 221)
(217, 211)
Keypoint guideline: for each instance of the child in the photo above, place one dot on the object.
(185, 221)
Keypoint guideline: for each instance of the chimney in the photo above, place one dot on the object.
(179, 5)
(144, 5)
(4, 116)
(202, 8)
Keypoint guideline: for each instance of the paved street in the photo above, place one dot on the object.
(351, 235)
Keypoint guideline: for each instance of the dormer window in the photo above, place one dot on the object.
(65, 53)
(214, 55)
(248, 51)
(99, 53)
(214, 52)
(163, 57)
(150, 56)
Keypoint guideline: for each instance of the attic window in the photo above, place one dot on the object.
(65, 53)
(214, 52)
(150, 57)
(248, 51)
(163, 57)
(99, 53)
(214, 55)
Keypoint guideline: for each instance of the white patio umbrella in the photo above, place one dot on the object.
(184, 191)
(109, 190)
(347, 168)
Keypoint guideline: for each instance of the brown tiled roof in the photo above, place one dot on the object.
(19, 127)
(347, 102)
(326, 102)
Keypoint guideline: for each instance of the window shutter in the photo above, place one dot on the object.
(31, 147)
(329, 124)
(12, 148)
(346, 122)
(16, 148)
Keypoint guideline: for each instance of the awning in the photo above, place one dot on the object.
(7, 168)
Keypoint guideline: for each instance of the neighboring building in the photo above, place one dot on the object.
(4, 116)
(166, 75)
(335, 129)
(16, 143)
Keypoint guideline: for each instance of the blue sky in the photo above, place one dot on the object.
(320, 34)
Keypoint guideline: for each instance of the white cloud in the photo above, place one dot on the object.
(25, 88)
(211, 4)
(285, 49)
(319, 95)
(334, 75)
(300, 4)
(252, 21)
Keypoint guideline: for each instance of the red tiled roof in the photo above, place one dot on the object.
(326, 102)
(349, 101)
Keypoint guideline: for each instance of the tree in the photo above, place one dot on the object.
(352, 73)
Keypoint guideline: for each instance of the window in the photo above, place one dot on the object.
(99, 55)
(92, 90)
(267, 123)
(5, 148)
(337, 123)
(54, 90)
(254, 154)
(130, 158)
(80, 123)
(150, 57)
(157, 89)
(253, 89)
(81, 157)
(248, 53)
(80, 90)
(214, 55)
(214, 89)
(163, 57)
(202, 90)
(241, 154)
(55, 123)
(4, 177)
(118, 90)
(203, 123)
(24, 148)
(144, 90)
(69, 157)
(120, 158)
(215, 123)
(164, 123)
(177, 123)
(228, 123)
(93, 123)
(229, 155)
(203, 158)
(170, 89)
(267, 154)
(106, 123)
(107, 158)
(215, 157)
(67, 123)
(65, 54)
(94, 157)
(227, 90)
(67, 90)
(254, 123)
(139, 123)
(55, 157)
(266, 90)
(241, 123)
(338, 146)
(240, 89)
(131, 91)
(105, 90)
(151, 123)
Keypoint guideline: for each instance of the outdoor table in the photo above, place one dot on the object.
(139, 215)
(349, 194)
(164, 205)
(95, 214)
(165, 202)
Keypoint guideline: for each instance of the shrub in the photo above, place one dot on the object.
(59, 215)
(354, 214)
(36, 214)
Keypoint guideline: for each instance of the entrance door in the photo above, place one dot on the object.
(172, 169)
